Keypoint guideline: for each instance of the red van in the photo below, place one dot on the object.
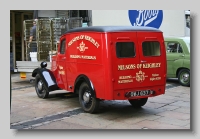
(106, 63)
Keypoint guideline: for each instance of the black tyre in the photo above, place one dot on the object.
(39, 87)
(87, 99)
(137, 103)
(184, 77)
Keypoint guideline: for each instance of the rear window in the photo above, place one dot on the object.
(125, 49)
(151, 48)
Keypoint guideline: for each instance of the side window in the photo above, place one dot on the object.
(151, 48)
(62, 47)
(174, 47)
(125, 49)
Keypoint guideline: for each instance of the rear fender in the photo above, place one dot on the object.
(82, 78)
(47, 77)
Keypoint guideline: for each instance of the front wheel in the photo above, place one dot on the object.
(137, 103)
(184, 77)
(87, 99)
(41, 91)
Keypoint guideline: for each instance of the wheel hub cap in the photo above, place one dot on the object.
(86, 97)
(185, 77)
(40, 85)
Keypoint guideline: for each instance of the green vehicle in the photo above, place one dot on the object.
(178, 59)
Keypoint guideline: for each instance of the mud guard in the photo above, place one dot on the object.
(47, 77)
(81, 78)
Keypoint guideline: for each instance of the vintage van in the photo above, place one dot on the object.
(178, 59)
(106, 63)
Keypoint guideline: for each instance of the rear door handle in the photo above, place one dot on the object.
(143, 61)
(63, 58)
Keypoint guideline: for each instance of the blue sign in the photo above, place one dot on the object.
(150, 18)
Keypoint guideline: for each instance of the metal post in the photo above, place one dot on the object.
(22, 36)
(90, 17)
(13, 40)
(37, 39)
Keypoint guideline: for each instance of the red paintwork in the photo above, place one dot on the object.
(103, 72)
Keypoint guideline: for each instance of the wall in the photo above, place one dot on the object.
(173, 23)
(110, 17)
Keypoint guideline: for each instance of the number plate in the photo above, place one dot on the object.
(140, 93)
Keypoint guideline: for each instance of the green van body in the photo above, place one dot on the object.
(178, 59)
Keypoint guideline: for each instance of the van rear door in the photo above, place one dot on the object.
(152, 58)
(125, 57)
(138, 59)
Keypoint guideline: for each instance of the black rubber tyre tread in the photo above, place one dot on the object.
(137, 103)
(93, 105)
(41, 93)
(180, 78)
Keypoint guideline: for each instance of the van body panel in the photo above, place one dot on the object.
(113, 60)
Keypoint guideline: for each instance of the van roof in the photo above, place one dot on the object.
(111, 29)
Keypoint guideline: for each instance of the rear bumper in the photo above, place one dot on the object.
(122, 94)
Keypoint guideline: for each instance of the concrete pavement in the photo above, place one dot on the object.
(62, 111)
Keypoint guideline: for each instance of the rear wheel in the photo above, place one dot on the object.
(137, 103)
(39, 87)
(184, 77)
(87, 99)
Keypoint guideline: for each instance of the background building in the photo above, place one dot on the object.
(171, 22)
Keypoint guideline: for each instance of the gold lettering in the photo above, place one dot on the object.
(158, 65)
(155, 78)
(69, 43)
(83, 57)
(75, 56)
(139, 66)
(120, 67)
(60, 67)
(93, 41)
(96, 44)
(144, 65)
(88, 38)
(125, 81)
(89, 57)
(151, 65)
(82, 36)
(125, 77)
(126, 67)
(158, 78)
(155, 74)
(61, 72)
